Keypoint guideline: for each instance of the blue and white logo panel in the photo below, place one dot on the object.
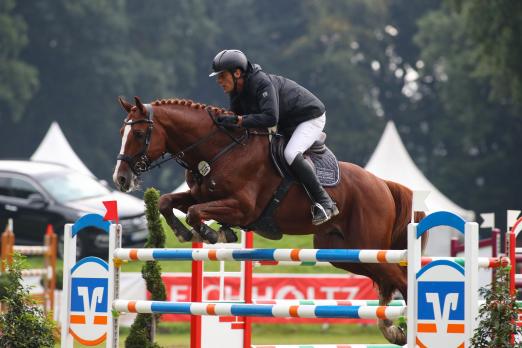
(89, 296)
(440, 315)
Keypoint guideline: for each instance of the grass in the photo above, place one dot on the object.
(177, 335)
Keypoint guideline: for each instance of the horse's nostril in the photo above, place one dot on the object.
(121, 181)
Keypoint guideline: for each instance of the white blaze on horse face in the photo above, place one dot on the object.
(126, 132)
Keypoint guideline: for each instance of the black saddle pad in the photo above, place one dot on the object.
(324, 161)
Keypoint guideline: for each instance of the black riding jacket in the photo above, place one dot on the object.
(267, 100)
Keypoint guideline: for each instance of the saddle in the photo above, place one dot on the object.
(326, 168)
(322, 158)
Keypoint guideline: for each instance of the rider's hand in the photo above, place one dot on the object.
(228, 120)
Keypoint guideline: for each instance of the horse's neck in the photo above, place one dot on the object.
(185, 126)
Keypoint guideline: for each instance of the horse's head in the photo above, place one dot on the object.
(141, 144)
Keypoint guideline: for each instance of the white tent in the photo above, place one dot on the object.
(56, 149)
(391, 161)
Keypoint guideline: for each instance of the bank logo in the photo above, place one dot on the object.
(440, 303)
(89, 301)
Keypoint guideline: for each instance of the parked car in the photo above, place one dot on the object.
(35, 194)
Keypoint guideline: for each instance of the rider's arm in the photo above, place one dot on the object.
(235, 105)
(268, 106)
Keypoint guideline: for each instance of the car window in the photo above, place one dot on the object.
(72, 187)
(22, 188)
(4, 186)
(16, 187)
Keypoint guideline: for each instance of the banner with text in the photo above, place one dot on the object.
(276, 286)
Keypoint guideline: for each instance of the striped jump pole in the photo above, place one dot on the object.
(30, 250)
(255, 310)
(291, 263)
(328, 346)
(483, 262)
(301, 255)
(331, 302)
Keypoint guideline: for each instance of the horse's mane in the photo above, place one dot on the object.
(190, 104)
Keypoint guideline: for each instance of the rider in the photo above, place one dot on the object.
(261, 100)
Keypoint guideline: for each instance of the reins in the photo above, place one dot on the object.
(141, 163)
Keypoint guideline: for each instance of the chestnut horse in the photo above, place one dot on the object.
(237, 181)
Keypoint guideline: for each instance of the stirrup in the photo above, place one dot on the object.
(324, 214)
(319, 214)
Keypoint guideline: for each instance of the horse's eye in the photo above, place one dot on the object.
(139, 134)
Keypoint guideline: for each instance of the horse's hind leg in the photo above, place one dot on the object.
(391, 332)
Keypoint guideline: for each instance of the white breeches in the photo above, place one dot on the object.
(304, 136)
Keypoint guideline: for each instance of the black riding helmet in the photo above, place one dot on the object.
(229, 60)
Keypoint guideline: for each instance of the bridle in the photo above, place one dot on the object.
(141, 163)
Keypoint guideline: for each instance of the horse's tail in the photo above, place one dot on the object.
(403, 198)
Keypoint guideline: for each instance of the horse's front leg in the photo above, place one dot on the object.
(181, 201)
(226, 211)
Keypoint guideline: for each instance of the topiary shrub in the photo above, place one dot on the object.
(142, 331)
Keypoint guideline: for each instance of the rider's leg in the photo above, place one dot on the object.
(302, 138)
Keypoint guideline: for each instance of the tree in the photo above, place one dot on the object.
(19, 79)
(472, 151)
(495, 30)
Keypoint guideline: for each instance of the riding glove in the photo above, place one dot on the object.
(228, 120)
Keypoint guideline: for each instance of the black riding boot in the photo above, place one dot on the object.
(324, 208)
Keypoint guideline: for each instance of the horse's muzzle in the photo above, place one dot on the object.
(123, 183)
(123, 180)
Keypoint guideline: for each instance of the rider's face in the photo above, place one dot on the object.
(226, 81)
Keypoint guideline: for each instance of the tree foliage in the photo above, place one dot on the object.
(23, 324)
(495, 30)
(448, 74)
(474, 137)
(498, 315)
(19, 79)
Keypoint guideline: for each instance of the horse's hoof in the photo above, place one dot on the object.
(196, 237)
(184, 236)
(208, 234)
(230, 235)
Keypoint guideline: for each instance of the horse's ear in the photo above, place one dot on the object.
(125, 104)
(140, 106)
